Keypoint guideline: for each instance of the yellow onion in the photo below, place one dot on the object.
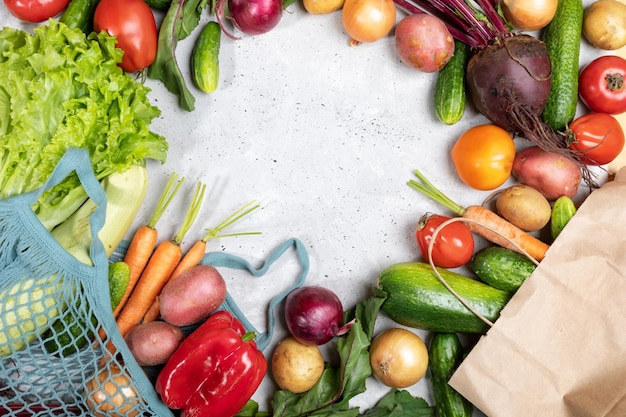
(529, 14)
(368, 20)
(399, 358)
(111, 394)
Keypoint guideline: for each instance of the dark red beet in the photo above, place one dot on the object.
(514, 72)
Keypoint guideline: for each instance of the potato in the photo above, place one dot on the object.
(296, 367)
(604, 24)
(192, 296)
(154, 342)
(552, 174)
(525, 207)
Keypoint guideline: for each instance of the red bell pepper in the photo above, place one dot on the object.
(215, 370)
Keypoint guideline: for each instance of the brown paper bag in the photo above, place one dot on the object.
(559, 347)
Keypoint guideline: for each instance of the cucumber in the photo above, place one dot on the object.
(416, 298)
(502, 268)
(445, 355)
(205, 69)
(79, 14)
(450, 96)
(159, 4)
(119, 277)
(69, 334)
(563, 210)
(562, 38)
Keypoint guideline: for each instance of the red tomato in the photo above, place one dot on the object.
(599, 137)
(35, 10)
(601, 85)
(483, 156)
(132, 22)
(454, 243)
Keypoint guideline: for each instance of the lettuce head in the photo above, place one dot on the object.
(58, 89)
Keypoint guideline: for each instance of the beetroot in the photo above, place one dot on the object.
(516, 72)
(509, 75)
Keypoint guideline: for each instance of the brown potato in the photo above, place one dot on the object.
(192, 296)
(154, 342)
(296, 367)
(525, 207)
(604, 24)
(552, 174)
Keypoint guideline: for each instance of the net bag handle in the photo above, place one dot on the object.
(222, 259)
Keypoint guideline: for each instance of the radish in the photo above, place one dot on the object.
(509, 75)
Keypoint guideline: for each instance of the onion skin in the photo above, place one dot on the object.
(518, 71)
(314, 315)
(368, 20)
(529, 14)
(398, 357)
(255, 17)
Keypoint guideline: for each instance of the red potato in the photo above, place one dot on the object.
(424, 42)
(552, 174)
(192, 296)
(154, 342)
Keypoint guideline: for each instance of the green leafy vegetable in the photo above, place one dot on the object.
(182, 17)
(400, 403)
(337, 386)
(58, 89)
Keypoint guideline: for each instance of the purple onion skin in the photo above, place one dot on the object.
(314, 315)
(255, 17)
(519, 69)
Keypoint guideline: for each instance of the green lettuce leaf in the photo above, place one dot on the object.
(58, 89)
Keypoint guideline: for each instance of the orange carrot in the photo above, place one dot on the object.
(162, 263)
(194, 255)
(145, 238)
(485, 222)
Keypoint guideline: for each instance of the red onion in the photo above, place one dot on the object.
(252, 17)
(314, 315)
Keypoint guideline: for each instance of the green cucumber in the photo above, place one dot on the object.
(79, 14)
(450, 95)
(562, 38)
(445, 355)
(119, 277)
(205, 69)
(563, 210)
(159, 4)
(69, 334)
(415, 297)
(502, 268)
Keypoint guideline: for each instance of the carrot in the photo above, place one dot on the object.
(195, 254)
(162, 263)
(145, 238)
(485, 222)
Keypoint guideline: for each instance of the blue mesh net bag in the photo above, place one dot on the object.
(40, 284)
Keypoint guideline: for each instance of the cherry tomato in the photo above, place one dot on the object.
(454, 243)
(483, 156)
(35, 10)
(599, 137)
(132, 22)
(601, 85)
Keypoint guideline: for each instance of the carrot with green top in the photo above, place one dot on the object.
(485, 222)
(195, 254)
(145, 238)
(162, 263)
